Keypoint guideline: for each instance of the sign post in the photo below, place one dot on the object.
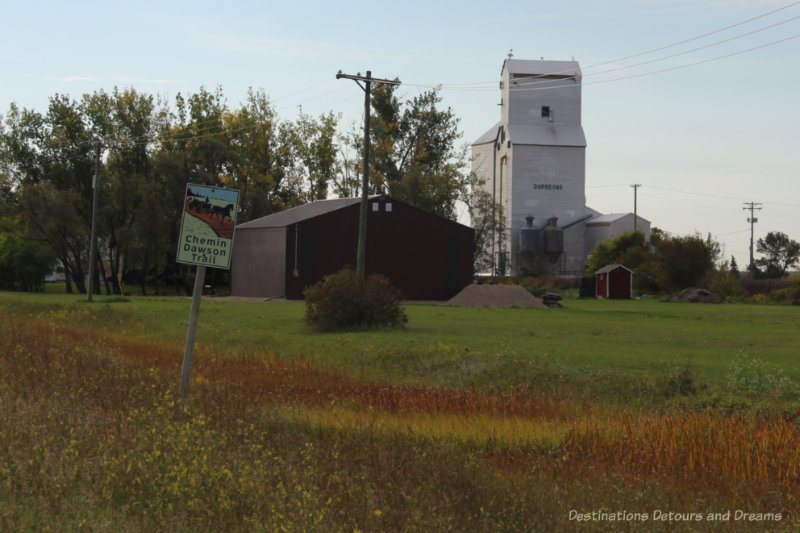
(186, 369)
(206, 239)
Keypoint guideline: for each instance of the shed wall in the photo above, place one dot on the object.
(619, 284)
(258, 263)
(324, 244)
(425, 256)
(602, 285)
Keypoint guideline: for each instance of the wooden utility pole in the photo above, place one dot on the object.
(93, 238)
(635, 187)
(361, 254)
(751, 206)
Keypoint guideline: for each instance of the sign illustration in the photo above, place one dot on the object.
(209, 215)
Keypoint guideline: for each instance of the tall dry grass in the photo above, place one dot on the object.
(744, 457)
(92, 438)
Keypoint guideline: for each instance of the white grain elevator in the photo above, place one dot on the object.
(533, 162)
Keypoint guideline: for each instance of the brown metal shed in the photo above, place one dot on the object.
(424, 255)
(614, 281)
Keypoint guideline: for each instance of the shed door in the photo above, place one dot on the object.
(602, 286)
(620, 284)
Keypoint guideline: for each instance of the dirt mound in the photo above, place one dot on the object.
(695, 295)
(476, 295)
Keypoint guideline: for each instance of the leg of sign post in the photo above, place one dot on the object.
(200, 277)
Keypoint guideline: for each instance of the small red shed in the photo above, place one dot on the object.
(614, 281)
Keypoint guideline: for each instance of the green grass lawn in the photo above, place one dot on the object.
(481, 347)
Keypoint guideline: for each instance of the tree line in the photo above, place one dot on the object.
(669, 263)
(145, 150)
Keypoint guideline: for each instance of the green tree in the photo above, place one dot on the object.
(780, 254)
(50, 159)
(725, 283)
(415, 158)
(132, 199)
(52, 216)
(685, 261)
(488, 222)
(150, 152)
(24, 263)
(259, 159)
(313, 145)
(414, 152)
(630, 249)
(678, 262)
(347, 181)
(734, 268)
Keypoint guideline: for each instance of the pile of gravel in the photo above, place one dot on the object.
(476, 295)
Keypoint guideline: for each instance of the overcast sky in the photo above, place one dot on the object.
(696, 100)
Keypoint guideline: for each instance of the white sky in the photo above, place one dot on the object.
(701, 140)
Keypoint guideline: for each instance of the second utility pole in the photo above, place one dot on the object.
(93, 238)
(361, 254)
(752, 207)
(635, 213)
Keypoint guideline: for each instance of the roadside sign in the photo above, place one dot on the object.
(206, 239)
(209, 215)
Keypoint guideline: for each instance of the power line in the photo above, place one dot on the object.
(733, 233)
(651, 73)
(546, 84)
(694, 193)
(717, 43)
(672, 45)
(713, 195)
(216, 122)
(493, 83)
(667, 189)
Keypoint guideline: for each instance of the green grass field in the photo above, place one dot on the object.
(470, 419)
(445, 345)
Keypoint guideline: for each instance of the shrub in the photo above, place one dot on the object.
(681, 383)
(748, 374)
(345, 301)
(727, 285)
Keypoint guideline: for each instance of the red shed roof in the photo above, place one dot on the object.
(608, 268)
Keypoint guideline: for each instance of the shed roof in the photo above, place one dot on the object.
(321, 207)
(299, 213)
(611, 217)
(608, 268)
(606, 219)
